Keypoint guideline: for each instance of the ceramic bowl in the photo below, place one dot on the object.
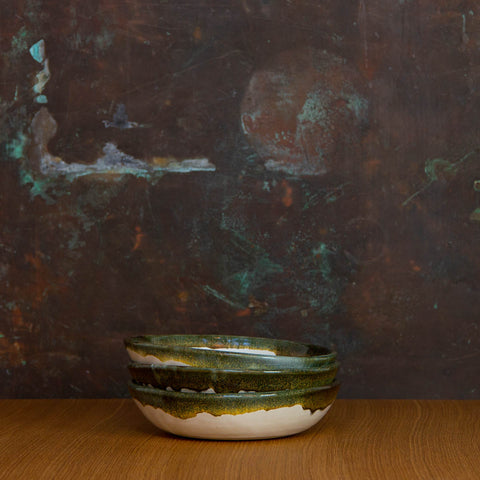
(179, 378)
(226, 352)
(234, 416)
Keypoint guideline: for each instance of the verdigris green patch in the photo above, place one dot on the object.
(322, 253)
(19, 43)
(37, 51)
(38, 186)
(15, 149)
(438, 168)
(99, 43)
(475, 215)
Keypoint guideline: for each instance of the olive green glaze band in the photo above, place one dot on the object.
(231, 381)
(179, 348)
(187, 405)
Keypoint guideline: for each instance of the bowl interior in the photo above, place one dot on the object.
(230, 344)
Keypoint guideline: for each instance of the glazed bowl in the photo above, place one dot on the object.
(227, 352)
(234, 416)
(180, 378)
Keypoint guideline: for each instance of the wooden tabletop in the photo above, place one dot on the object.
(358, 439)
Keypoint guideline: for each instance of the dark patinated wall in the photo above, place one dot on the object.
(301, 170)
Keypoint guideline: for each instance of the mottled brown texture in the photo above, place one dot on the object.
(376, 254)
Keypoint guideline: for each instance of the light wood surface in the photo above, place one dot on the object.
(358, 439)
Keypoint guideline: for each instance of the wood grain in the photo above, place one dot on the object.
(358, 439)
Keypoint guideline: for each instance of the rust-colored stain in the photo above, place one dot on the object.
(296, 117)
(301, 170)
(139, 235)
(287, 198)
(197, 33)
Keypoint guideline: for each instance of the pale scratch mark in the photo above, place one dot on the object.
(208, 60)
(433, 167)
(215, 293)
(468, 356)
(465, 38)
(336, 193)
(328, 196)
(362, 24)
(167, 76)
(417, 193)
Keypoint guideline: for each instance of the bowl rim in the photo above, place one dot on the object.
(142, 342)
(245, 371)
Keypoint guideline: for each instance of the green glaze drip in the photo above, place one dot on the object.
(288, 355)
(228, 381)
(188, 405)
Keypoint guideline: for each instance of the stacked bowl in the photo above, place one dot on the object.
(227, 387)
